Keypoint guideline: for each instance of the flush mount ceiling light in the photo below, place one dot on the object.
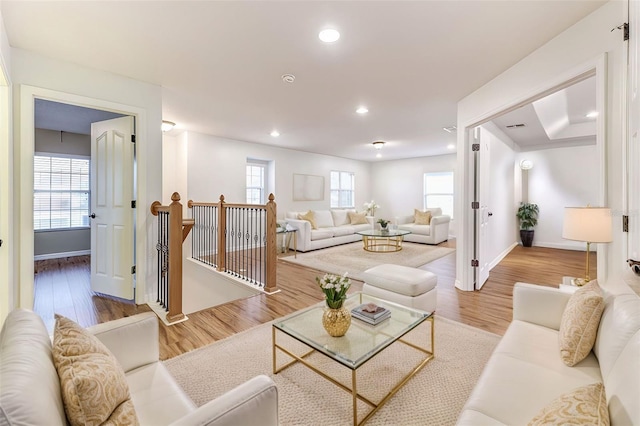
(592, 114)
(362, 110)
(288, 78)
(167, 125)
(275, 133)
(526, 164)
(450, 129)
(378, 145)
(329, 35)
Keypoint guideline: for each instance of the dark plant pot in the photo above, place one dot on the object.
(526, 237)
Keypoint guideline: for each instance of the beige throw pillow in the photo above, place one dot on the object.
(309, 217)
(586, 405)
(94, 387)
(579, 323)
(358, 218)
(421, 218)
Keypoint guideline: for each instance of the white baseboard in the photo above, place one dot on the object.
(61, 255)
(502, 255)
(562, 246)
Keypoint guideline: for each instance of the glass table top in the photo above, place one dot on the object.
(362, 340)
(378, 233)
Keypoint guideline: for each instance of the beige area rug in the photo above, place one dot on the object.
(435, 396)
(354, 259)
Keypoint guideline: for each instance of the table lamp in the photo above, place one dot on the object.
(588, 224)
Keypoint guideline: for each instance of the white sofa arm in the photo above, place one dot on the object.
(132, 340)
(253, 402)
(539, 304)
(303, 234)
(439, 220)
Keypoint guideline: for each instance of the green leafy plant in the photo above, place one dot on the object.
(383, 223)
(528, 215)
(334, 288)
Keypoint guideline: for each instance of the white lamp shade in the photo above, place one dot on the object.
(589, 224)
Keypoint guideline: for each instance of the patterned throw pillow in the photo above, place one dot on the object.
(586, 405)
(309, 217)
(579, 323)
(94, 387)
(358, 218)
(421, 218)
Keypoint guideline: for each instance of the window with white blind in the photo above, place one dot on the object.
(438, 191)
(256, 172)
(61, 191)
(342, 189)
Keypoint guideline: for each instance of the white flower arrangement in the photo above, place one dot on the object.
(371, 207)
(334, 288)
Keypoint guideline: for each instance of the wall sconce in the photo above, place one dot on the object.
(526, 164)
(167, 125)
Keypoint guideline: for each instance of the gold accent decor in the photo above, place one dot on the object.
(336, 321)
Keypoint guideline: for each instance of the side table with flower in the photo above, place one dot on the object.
(336, 318)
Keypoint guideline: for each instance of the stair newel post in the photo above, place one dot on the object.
(271, 249)
(175, 259)
(222, 235)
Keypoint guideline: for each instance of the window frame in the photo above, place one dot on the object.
(51, 155)
(340, 191)
(426, 194)
(264, 165)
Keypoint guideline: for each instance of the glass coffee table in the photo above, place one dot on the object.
(361, 343)
(382, 241)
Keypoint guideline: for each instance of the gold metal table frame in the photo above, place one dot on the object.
(383, 241)
(353, 390)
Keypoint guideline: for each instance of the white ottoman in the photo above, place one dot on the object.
(410, 287)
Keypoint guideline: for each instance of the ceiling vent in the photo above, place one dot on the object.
(513, 126)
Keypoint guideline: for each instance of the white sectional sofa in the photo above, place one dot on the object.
(526, 373)
(30, 390)
(436, 232)
(333, 228)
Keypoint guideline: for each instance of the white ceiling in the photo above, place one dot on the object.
(556, 120)
(220, 62)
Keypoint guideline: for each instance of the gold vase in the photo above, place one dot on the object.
(336, 321)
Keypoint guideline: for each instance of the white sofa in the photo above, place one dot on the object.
(30, 390)
(333, 228)
(525, 372)
(436, 232)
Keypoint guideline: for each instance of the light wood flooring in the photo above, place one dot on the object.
(62, 286)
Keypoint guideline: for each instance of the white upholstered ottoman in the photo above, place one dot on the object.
(410, 287)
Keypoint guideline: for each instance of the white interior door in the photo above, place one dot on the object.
(633, 155)
(484, 186)
(112, 234)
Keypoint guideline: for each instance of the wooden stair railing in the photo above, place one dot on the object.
(178, 229)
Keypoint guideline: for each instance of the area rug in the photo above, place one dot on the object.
(352, 258)
(435, 396)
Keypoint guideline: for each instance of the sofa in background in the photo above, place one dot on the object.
(435, 232)
(526, 372)
(333, 227)
(30, 391)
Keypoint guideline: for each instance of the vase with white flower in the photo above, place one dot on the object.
(371, 208)
(336, 318)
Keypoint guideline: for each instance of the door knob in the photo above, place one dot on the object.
(490, 214)
(92, 216)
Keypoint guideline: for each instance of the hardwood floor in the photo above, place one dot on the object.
(62, 286)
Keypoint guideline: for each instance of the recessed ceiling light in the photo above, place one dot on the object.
(592, 114)
(450, 129)
(167, 125)
(275, 133)
(288, 78)
(362, 110)
(329, 35)
(451, 146)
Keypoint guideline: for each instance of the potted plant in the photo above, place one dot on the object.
(383, 224)
(528, 215)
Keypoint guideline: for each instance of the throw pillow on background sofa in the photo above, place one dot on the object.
(586, 405)
(309, 217)
(421, 218)
(358, 218)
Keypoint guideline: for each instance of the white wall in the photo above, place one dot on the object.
(8, 261)
(575, 50)
(397, 186)
(501, 199)
(174, 169)
(37, 76)
(561, 177)
(217, 166)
